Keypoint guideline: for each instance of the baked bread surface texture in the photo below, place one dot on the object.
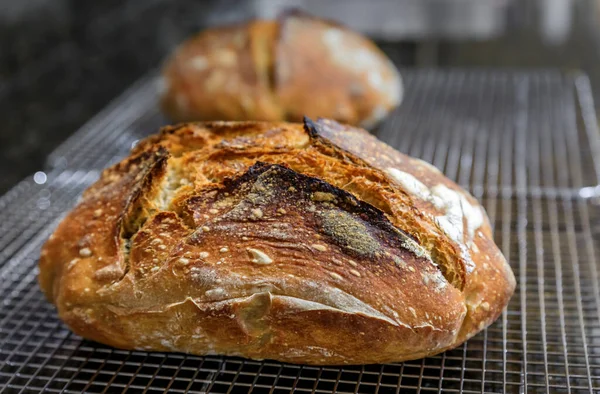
(311, 243)
(280, 70)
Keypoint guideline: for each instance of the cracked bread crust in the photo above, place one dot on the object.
(311, 243)
(280, 70)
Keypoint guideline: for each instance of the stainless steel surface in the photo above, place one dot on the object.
(525, 143)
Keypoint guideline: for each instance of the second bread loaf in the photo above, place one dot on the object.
(280, 70)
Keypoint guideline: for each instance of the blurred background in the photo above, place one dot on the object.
(64, 60)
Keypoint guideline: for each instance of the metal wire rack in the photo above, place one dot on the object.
(525, 143)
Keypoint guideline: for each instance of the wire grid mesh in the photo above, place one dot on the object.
(527, 151)
(462, 118)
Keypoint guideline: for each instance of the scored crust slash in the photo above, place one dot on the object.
(307, 243)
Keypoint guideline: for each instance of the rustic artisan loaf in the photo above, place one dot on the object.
(311, 243)
(280, 70)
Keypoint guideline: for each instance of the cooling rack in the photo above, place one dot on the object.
(525, 143)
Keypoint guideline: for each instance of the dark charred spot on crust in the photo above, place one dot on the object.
(354, 225)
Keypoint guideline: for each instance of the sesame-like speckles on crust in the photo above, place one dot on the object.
(85, 252)
(259, 257)
(336, 276)
(319, 247)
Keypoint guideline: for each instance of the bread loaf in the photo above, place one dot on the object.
(311, 243)
(280, 70)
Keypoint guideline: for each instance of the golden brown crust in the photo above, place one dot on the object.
(311, 243)
(280, 70)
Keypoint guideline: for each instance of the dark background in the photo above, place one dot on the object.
(61, 61)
